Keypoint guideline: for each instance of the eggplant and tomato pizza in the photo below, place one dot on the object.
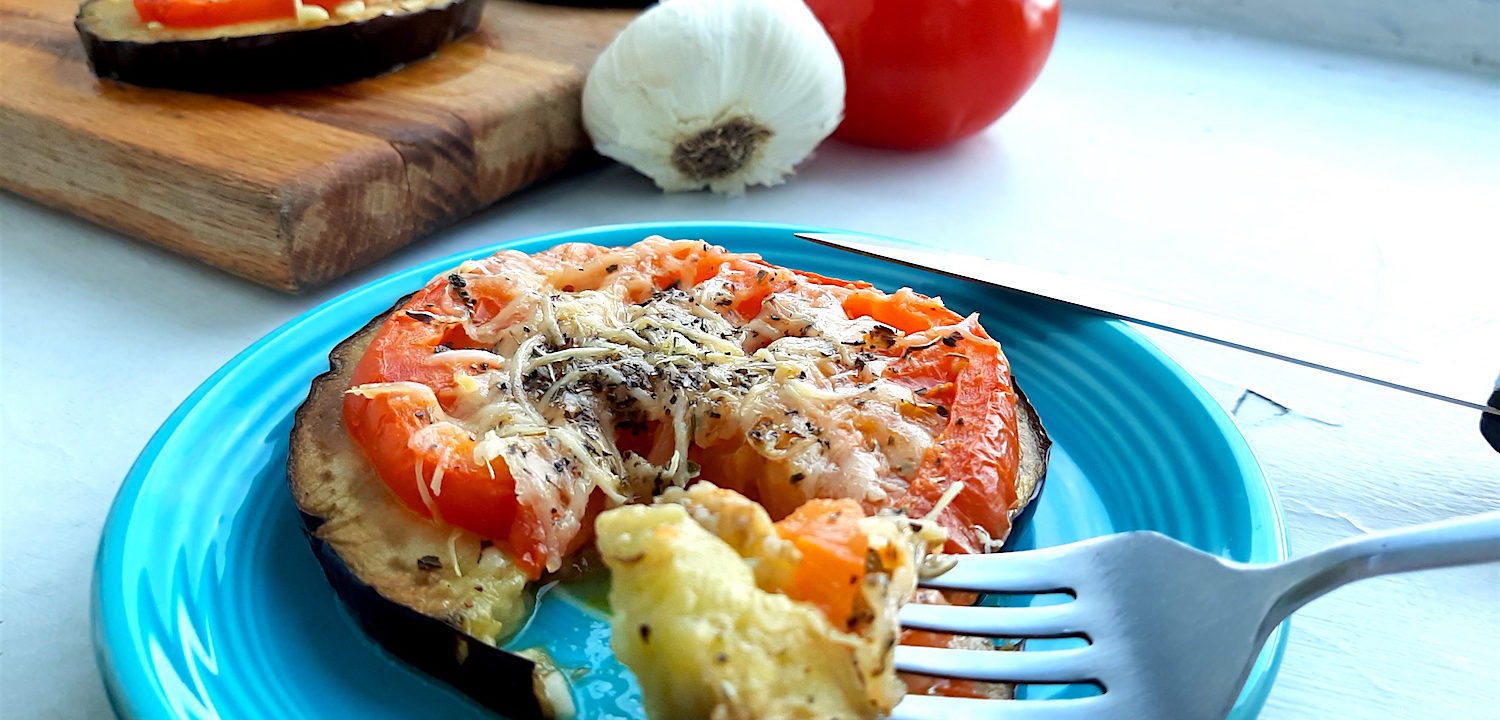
(255, 45)
(764, 460)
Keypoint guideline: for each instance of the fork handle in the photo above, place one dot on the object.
(1463, 541)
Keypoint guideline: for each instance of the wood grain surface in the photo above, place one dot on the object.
(293, 189)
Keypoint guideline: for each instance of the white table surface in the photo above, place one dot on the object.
(1324, 193)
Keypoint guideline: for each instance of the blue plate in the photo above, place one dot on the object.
(207, 601)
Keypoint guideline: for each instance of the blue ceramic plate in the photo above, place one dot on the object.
(207, 601)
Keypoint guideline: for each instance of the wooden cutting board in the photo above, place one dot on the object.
(293, 189)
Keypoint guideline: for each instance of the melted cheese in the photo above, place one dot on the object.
(568, 372)
(698, 618)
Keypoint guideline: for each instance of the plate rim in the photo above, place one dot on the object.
(125, 703)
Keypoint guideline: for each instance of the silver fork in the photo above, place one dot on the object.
(1172, 631)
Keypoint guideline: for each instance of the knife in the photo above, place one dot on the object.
(1302, 350)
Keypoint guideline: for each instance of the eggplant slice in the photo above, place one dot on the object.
(379, 556)
(269, 55)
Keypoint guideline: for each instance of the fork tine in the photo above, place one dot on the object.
(1016, 666)
(1026, 571)
(935, 707)
(1002, 622)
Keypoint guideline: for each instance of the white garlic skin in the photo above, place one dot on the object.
(685, 67)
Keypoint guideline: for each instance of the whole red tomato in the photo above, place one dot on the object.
(923, 73)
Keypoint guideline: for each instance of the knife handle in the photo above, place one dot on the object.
(1489, 423)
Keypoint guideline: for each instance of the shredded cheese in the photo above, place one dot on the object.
(437, 474)
(453, 551)
(350, 9)
(566, 374)
(309, 13)
(427, 502)
(942, 504)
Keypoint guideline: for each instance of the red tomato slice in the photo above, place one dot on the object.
(213, 13)
(833, 556)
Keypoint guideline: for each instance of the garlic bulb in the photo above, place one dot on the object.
(720, 94)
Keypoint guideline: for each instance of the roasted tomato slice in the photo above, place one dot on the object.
(214, 13)
(683, 360)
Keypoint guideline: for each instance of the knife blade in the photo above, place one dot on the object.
(1315, 353)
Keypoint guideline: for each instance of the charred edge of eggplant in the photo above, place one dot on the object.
(499, 680)
(288, 59)
(1489, 423)
(1023, 514)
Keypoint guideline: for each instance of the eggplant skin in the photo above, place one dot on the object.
(289, 59)
(499, 680)
(1489, 424)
